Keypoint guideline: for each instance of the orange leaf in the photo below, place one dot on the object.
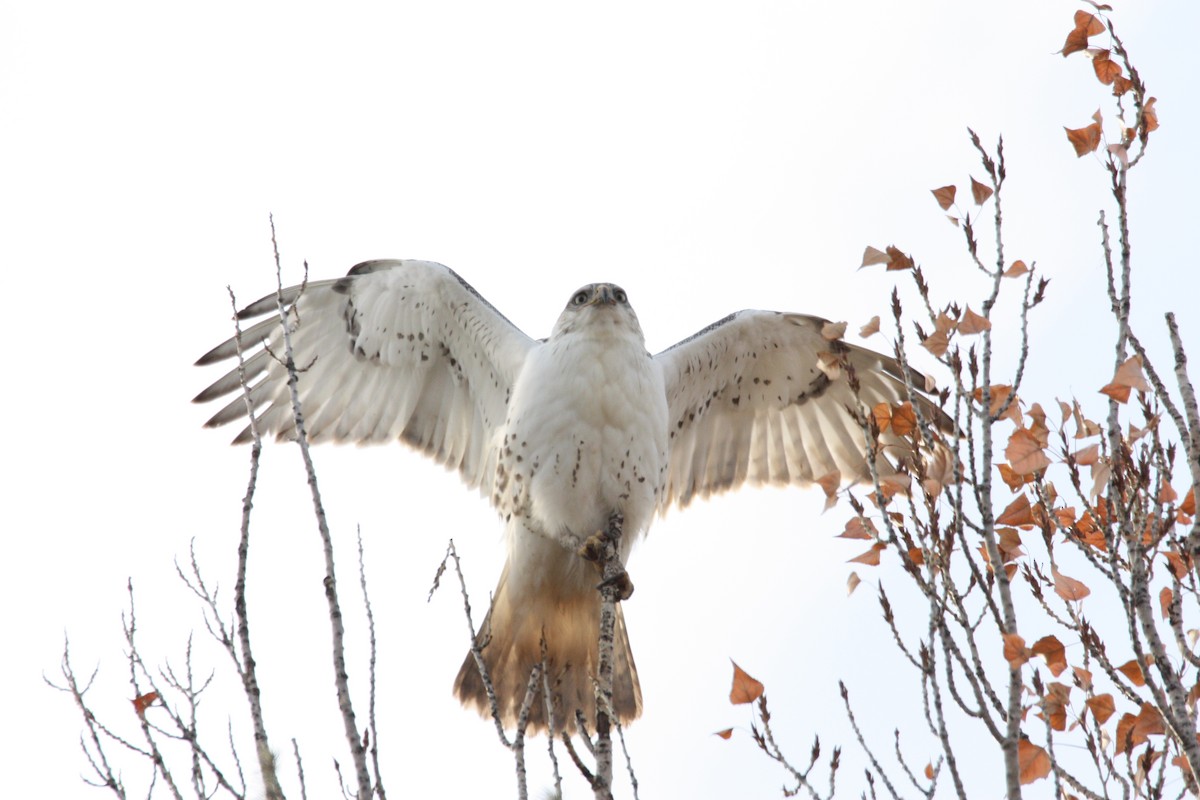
(929, 772)
(745, 689)
(897, 260)
(1015, 651)
(1067, 588)
(1165, 598)
(1178, 564)
(1084, 140)
(944, 196)
(1017, 269)
(871, 557)
(1053, 651)
(980, 192)
(1011, 478)
(1076, 40)
(858, 528)
(1134, 730)
(1054, 705)
(1025, 453)
(1189, 503)
(904, 419)
(1121, 85)
(142, 702)
(725, 734)
(973, 323)
(1088, 23)
(1149, 115)
(1117, 392)
(1033, 761)
(1018, 512)
(1132, 670)
(1083, 678)
(1102, 707)
(1105, 68)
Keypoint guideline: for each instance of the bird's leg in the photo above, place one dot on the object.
(601, 548)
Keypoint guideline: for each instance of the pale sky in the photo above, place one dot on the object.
(705, 156)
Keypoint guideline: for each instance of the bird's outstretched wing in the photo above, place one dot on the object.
(395, 350)
(750, 401)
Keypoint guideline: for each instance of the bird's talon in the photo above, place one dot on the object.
(592, 548)
(621, 582)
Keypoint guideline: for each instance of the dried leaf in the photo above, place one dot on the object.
(1165, 598)
(872, 256)
(1088, 23)
(1014, 480)
(1121, 85)
(1101, 706)
(1105, 68)
(1053, 651)
(1134, 730)
(1084, 140)
(745, 689)
(1130, 374)
(830, 483)
(1088, 455)
(725, 734)
(980, 192)
(1101, 472)
(1132, 670)
(929, 772)
(1033, 762)
(858, 528)
(1149, 115)
(1016, 269)
(1068, 588)
(1188, 506)
(833, 330)
(904, 419)
(1017, 513)
(870, 329)
(852, 583)
(1083, 678)
(898, 260)
(1015, 651)
(937, 343)
(830, 364)
(871, 557)
(142, 702)
(1025, 453)
(944, 196)
(973, 323)
(1054, 705)
(1117, 392)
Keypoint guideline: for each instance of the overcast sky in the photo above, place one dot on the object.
(705, 156)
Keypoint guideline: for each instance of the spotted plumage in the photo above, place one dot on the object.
(558, 433)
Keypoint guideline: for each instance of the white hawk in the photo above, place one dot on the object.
(559, 433)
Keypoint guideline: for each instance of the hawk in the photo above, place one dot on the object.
(560, 433)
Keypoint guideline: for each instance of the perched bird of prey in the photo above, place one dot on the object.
(559, 433)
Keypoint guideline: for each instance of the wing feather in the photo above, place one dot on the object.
(395, 350)
(749, 403)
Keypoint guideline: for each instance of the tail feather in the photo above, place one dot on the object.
(511, 646)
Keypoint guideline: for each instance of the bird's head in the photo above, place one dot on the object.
(598, 307)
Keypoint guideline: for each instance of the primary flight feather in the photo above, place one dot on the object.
(559, 433)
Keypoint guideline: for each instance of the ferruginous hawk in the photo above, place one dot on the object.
(559, 433)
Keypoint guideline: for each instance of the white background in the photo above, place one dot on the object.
(705, 156)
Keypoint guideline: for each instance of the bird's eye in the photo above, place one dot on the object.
(620, 295)
(580, 298)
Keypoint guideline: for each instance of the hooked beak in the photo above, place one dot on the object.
(604, 297)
